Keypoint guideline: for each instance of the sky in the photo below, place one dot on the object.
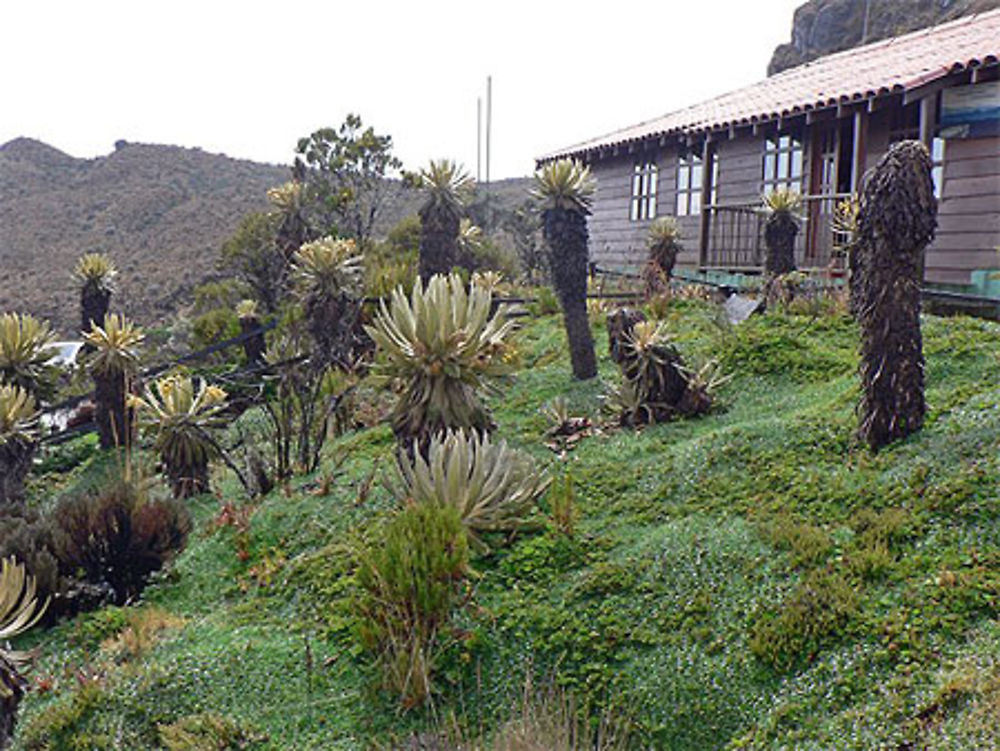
(248, 79)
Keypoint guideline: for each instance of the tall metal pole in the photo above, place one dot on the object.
(489, 124)
(479, 138)
(864, 28)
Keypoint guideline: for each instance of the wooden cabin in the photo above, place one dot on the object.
(814, 129)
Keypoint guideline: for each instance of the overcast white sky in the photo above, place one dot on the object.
(248, 79)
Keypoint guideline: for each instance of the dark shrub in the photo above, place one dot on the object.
(113, 537)
(28, 538)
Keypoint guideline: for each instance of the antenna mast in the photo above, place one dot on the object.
(489, 124)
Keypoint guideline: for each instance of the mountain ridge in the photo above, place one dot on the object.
(142, 204)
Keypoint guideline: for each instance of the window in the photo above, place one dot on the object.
(782, 163)
(905, 126)
(644, 184)
(689, 178)
(713, 198)
(937, 160)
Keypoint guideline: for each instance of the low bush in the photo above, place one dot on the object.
(27, 536)
(821, 606)
(116, 535)
(803, 350)
(412, 578)
(545, 303)
(207, 731)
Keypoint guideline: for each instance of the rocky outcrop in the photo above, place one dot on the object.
(821, 27)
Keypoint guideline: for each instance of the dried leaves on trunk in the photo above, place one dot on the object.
(438, 242)
(657, 386)
(780, 230)
(566, 235)
(896, 222)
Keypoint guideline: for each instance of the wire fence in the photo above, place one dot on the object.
(242, 375)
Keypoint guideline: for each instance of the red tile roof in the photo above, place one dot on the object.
(890, 66)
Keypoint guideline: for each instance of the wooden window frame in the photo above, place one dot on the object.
(782, 165)
(690, 178)
(645, 186)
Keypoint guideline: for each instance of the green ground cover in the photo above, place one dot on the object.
(754, 579)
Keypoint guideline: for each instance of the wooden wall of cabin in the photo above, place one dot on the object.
(969, 208)
(969, 211)
(740, 169)
(616, 241)
(968, 232)
(614, 238)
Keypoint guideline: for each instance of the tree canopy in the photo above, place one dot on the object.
(347, 172)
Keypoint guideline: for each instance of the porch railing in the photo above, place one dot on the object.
(734, 235)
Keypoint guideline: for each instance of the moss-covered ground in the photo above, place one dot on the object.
(754, 579)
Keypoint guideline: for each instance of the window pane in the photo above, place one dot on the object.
(784, 142)
(636, 185)
(937, 174)
(797, 163)
(769, 167)
(937, 150)
(682, 204)
(696, 203)
(682, 176)
(654, 180)
(783, 162)
(795, 185)
(696, 175)
(634, 212)
(652, 207)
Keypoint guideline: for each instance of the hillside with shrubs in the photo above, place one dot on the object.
(162, 211)
(443, 493)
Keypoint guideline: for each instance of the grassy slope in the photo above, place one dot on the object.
(753, 579)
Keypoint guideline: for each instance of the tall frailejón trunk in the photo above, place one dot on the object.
(94, 303)
(896, 222)
(566, 235)
(113, 417)
(780, 230)
(188, 480)
(333, 325)
(254, 345)
(15, 463)
(438, 242)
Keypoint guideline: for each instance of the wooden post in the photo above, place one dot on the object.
(928, 124)
(859, 149)
(707, 155)
(928, 119)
